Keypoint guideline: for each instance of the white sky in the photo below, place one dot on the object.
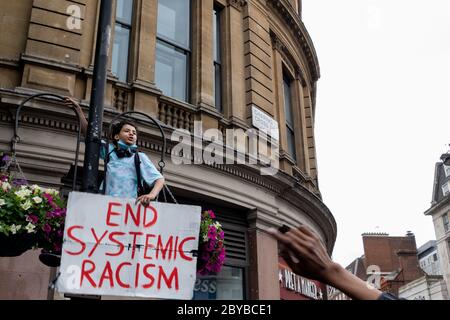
(383, 110)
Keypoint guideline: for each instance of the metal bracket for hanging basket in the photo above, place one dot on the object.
(16, 139)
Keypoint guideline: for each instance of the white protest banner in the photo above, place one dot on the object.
(114, 247)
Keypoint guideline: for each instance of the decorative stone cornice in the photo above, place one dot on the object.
(291, 17)
(238, 4)
(50, 63)
(278, 45)
(439, 206)
(276, 42)
(14, 63)
(300, 76)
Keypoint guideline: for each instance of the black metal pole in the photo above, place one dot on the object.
(94, 130)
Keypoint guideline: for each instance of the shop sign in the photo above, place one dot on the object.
(300, 285)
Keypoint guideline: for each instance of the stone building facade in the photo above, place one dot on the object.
(440, 213)
(219, 62)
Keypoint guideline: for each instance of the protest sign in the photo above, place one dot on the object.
(114, 247)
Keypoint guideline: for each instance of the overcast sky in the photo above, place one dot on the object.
(383, 113)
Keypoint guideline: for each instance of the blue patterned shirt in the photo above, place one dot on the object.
(121, 180)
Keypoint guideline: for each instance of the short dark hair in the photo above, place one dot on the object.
(117, 127)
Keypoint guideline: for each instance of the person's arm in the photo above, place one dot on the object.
(307, 256)
(151, 175)
(83, 121)
(146, 198)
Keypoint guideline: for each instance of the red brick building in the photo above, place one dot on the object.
(388, 262)
(396, 258)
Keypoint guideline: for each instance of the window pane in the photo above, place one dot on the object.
(291, 143)
(217, 86)
(287, 102)
(445, 189)
(120, 52)
(174, 21)
(227, 285)
(447, 170)
(216, 34)
(124, 11)
(171, 70)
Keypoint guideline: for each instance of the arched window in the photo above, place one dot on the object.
(289, 115)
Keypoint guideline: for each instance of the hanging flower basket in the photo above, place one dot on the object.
(30, 216)
(211, 254)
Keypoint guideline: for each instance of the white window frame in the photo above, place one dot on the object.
(445, 222)
(446, 188)
(446, 170)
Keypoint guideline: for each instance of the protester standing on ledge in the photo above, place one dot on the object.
(121, 173)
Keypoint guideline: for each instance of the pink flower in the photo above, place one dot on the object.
(211, 245)
(211, 235)
(32, 218)
(48, 197)
(47, 229)
(205, 255)
(211, 214)
(57, 247)
(58, 212)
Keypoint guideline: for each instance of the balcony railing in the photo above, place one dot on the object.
(121, 98)
(176, 114)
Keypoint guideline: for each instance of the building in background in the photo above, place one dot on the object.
(231, 64)
(429, 258)
(431, 286)
(388, 263)
(440, 212)
(394, 259)
(428, 287)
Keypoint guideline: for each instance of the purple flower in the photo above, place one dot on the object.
(32, 218)
(221, 235)
(212, 232)
(57, 247)
(211, 245)
(205, 256)
(211, 214)
(5, 158)
(3, 178)
(47, 229)
(211, 235)
(19, 182)
(48, 197)
(58, 212)
(50, 200)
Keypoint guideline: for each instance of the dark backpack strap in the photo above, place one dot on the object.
(137, 165)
